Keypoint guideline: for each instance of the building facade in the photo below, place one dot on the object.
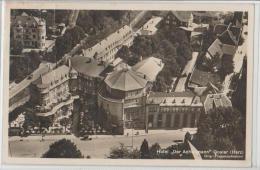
(51, 94)
(29, 31)
(105, 50)
(123, 96)
(173, 110)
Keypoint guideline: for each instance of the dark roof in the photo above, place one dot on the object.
(87, 66)
(210, 14)
(228, 34)
(183, 16)
(202, 78)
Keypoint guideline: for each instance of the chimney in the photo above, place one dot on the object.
(141, 58)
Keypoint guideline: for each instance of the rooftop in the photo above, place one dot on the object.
(209, 14)
(202, 78)
(216, 100)
(87, 66)
(228, 34)
(150, 67)
(57, 74)
(186, 98)
(218, 48)
(150, 25)
(183, 16)
(102, 45)
(125, 79)
(29, 20)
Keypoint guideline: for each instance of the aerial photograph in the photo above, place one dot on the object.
(127, 84)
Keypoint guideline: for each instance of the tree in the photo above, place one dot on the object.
(122, 152)
(144, 150)
(123, 53)
(142, 46)
(220, 129)
(70, 39)
(153, 150)
(63, 149)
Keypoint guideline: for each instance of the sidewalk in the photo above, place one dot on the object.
(127, 131)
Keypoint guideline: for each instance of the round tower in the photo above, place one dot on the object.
(73, 82)
(41, 27)
(18, 35)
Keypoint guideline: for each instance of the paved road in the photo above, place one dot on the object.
(98, 147)
(43, 68)
(180, 87)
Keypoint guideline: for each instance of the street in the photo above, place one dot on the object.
(43, 68)
(98, 147)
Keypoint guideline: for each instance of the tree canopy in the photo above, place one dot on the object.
(63, 149)
(220, 129)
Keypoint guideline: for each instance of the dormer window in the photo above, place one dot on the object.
(164, 101)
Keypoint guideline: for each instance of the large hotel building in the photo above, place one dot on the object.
(53, 95)
(29, 31)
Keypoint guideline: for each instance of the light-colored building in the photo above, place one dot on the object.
(123, 96)
(29, 31)
(173, 110)
(52, 93)
(149, 68)
(105, 50)
(217, 100)
(149, 28)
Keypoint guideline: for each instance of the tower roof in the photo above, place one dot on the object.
(125, 80)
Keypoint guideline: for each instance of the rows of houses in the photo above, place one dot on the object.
(124, 91)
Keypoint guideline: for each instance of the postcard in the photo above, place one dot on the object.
(127, 83)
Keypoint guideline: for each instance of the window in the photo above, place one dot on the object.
(176, 121)
(150, 121)
(185, 120)
(152, 108)
(159, 121)
(193, 119)
(42, 37)
(168, 120)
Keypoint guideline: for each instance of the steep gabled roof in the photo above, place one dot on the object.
(215, 101)
(202, 78)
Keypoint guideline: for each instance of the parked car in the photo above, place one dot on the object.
(86, 137)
